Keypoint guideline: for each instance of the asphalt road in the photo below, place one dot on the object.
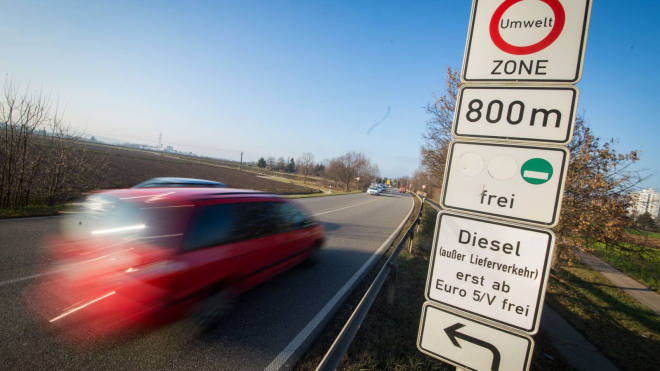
(270, 328)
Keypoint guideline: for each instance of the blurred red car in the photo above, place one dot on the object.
(402, 190)
(144, 257)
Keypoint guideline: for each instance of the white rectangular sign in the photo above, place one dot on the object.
(463, 342)
(516, 182)
(526, 40)
(531, 113)
(497, 271)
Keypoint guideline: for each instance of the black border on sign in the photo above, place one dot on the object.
(420, 335)
(493, 144)
(571, 118)
(578, 74)
(543, 282)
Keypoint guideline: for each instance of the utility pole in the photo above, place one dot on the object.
(241, 164)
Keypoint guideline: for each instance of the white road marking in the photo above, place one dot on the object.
(343, 208)
(290, 349)
(13, 280)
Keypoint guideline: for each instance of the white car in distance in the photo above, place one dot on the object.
(373, 191)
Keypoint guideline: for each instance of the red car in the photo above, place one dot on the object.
(402, 190)
(149, 256)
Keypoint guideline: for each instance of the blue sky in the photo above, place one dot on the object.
(279, 78)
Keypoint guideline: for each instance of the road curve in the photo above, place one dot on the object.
(270, 328)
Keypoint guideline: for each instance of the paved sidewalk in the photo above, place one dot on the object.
(570, 343)
(636, 290)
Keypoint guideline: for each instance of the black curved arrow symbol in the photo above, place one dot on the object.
(452, 332)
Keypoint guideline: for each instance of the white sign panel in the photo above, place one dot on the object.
(526, 40)
(516, 182)
(463, 342)
(542, 114)
(494, 270)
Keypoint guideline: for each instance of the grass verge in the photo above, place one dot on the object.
(625, 331)
(642, 264)
(30, 211)
(387, 338)
(643, 233)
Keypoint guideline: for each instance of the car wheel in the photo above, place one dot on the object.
(313, 257)
(212, 310)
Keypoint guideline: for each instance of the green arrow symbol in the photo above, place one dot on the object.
(536, 171)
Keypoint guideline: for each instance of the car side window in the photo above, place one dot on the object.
(290, 217)
(212, 226)
(256, 219)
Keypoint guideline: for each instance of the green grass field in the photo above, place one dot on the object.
(642, 233)
(30, 211)
(624, 330)
(642, 265)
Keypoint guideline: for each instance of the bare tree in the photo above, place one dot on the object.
(323, 169)
(271, 162)
(368, 173)
(438, 129)
(37, 160)
(345, 168)
(23, 117)
(597, 193)
(305, 164)
(280, 164)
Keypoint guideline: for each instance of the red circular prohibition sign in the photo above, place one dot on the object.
(560, 19)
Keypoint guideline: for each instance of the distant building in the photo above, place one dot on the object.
(646, 200)
(169, 149)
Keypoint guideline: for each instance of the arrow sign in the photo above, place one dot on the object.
(452, 333)
(471, 347)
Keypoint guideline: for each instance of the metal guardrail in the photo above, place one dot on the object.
(343, 341)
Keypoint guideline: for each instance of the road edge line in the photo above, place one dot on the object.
(294, 346)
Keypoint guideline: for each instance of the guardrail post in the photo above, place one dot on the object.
(412, 236)
(391, 283)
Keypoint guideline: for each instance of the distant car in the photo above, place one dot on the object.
(145, 257)
(373, 191)
(402, 190)
(382, 187)
(180, 183)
